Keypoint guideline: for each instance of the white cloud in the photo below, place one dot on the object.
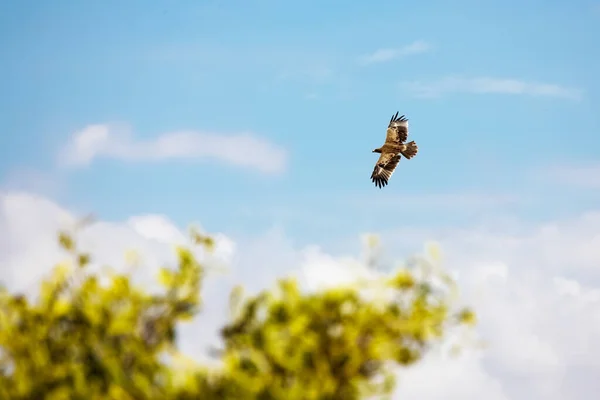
(483, 85)
(389, 54)
(537, 337)
(580, 175)
(29, 225)
(569, 247)
(319, 270)
(461, 378)
(536, 290)
(117, 142)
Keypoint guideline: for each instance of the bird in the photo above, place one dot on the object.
(392, 150)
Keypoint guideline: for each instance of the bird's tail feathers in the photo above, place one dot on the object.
(410, 150)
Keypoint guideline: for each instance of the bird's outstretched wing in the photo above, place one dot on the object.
(397, 131)
(384, 168)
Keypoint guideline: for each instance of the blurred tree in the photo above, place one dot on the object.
(97, 336)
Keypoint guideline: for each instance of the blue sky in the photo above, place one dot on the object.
(502, 99)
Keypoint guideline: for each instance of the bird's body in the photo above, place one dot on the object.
(392, 150)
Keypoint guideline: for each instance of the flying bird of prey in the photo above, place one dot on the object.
(393, 148)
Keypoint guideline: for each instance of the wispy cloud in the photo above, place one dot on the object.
(388, 54)
(581, 175)
(483, 85)
(117, 142)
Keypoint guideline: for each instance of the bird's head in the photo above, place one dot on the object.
(377, 151)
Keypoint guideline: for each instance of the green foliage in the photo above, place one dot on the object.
(98, 336)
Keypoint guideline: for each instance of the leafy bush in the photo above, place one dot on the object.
(97, 336)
